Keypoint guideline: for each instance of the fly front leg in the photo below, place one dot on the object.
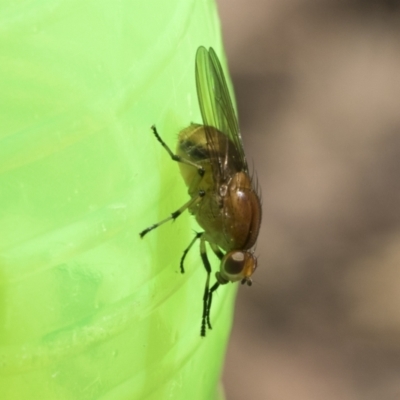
(207, 266)
(193, 201)
(209, 301)
(217, 251)
(198, 236)
(175, 157)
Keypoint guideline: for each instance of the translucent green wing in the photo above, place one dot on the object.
(217, 111)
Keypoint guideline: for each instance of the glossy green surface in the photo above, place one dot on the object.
(88, 310)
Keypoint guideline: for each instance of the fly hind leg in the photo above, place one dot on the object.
(175, 157)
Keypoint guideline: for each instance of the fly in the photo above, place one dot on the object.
(223, 196)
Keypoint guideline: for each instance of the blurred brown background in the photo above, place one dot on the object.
(318, 90)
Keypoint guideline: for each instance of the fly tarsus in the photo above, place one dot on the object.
(147, 230)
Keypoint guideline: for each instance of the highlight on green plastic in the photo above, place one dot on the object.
(88, 310)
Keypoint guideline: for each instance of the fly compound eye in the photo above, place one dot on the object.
(238, 266)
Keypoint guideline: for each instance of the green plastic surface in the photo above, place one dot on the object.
(88, 310)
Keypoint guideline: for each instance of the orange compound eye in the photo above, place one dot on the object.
(237, 266)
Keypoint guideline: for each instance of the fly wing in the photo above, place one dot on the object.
(217, 111)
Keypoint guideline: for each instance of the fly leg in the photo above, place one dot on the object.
(198, 236)
(216, 250)
(209, 301)
(207, 266)
(175, 157)
(176, 213)
(220, 255)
